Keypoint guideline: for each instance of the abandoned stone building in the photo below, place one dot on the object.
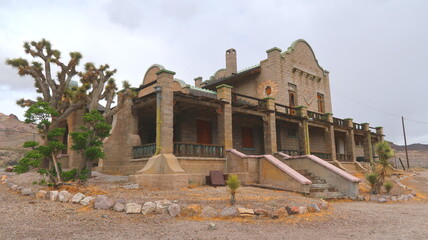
(272, 124)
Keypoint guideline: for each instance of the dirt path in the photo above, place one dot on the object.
(25, 218)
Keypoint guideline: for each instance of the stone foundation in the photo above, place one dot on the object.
(161, 181)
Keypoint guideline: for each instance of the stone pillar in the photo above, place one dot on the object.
(224, 117)
(330, 136)
(74, 122)
(198, 82)
(367, 144)
(302, 111)
(269, 127)
(164, 162)
(231, 64)
(350, 146)
(379, 131)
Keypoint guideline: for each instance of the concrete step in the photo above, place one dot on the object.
(328, 195)
(322, 188)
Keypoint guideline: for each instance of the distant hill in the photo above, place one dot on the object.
(418, 155)
(411, 147)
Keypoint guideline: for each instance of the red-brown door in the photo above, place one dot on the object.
(203, 132)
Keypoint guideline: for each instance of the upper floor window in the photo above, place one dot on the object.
(292, 89)
(320, 100)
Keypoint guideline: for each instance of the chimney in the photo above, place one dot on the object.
(198, 82)
(231, 66)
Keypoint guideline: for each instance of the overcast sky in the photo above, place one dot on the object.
(376, 51)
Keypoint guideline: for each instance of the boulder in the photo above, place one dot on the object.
(86, 201)
(162, 206)
(103, 202)
(323, 205)
(14, 187)
(119, 207)
(148, 208)
(77, 198)
(373, 198)
(64, 196)
(174, 210)
(229, 212)
(279, 213)
(410, 196)
(292, 210)
(314, 207)
(41, 194)
(381, 200)
(191, 210)
(8, 169)
(245, 212)
(209, 212)
(132, 208)
(26, 191)
(261, 212)
(360, 198)
(394, 198)
(303, 210)
(52, 195)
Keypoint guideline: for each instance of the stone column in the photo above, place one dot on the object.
(302, 111)
(198, 82)
(74, 122)
(350, 146)
(269, 127)
(367, 144)
(379, 131)
(330, 138)
(224, 118)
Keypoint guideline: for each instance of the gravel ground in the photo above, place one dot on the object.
(27, 218)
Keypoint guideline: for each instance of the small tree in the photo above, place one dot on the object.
(385, 152)
(372, 179)
(233, 183)
(388, 186)
(89, 141)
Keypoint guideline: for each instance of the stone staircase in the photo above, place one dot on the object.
(320, 188)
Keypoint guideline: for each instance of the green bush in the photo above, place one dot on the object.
(233, 183)
(388, 186)
(372, 178)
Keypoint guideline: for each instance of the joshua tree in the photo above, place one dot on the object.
(97, 83)
(385, 152)
(372, 179)
(233, 183)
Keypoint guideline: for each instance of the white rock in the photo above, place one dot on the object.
(86, 201)
(103, 202)
(303, 209)
(119, 207)
(64, 196)
(209, 212)
(174, 210)
(229, 212)
(26, 191)
(162, 206)
(148, 208)
(41, 194)
(381, 200)
(77, 198)
(14, 187)
(52, 195)
(132, 208)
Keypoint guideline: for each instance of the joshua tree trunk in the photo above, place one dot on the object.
(232, 199)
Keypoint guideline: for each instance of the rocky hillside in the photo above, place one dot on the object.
(13, 133)
(418, 155)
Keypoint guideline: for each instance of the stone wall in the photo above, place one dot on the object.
(317, 139)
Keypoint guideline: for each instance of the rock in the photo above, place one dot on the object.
(323, 205)
(86, 201)
(77, 198)
(414, 194)
(373, 198)
(410, 196)
(303, 210)
(104, 216)
(209, 212)
(148, 208)
(212, 226)
(119, 207)
(403, 198)
(174, 210)
(360, 198)
(292, 210)
(245, 212)
(131, 186)
(8, 169)
(261, 212)
(162, 206)
(191, 210)
(103, 202)
(132, 208)
(366, 198)
(316, 207)
(64, 196)
(26, 191)
(14, 187)
(381, 200)
(394, 198)
(279, 213)
(52, 195)
(41, 194)
(229, 212)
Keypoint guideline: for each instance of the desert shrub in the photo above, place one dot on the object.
(388, 186)
(68, 175)
(372, 178)
(233, 183)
